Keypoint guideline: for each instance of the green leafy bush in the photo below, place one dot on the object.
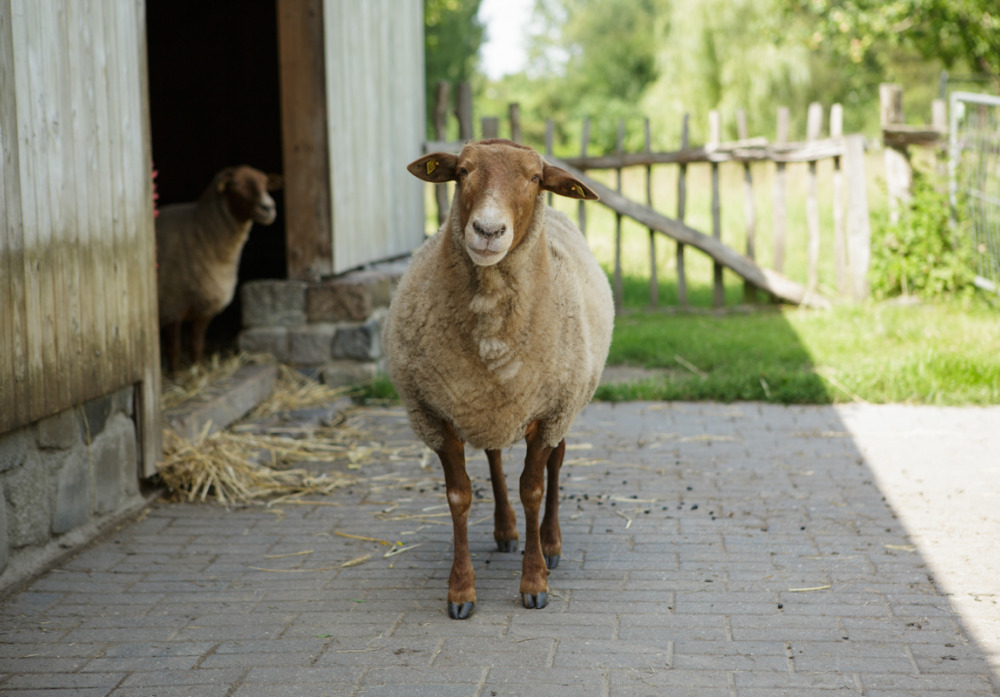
(922, 254)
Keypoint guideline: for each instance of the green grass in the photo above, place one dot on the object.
(941, 354)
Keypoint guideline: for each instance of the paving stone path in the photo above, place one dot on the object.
(708, 551)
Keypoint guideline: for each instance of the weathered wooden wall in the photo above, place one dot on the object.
(375, 100)
(77, 258)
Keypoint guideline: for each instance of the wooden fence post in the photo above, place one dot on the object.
(682, 294)
(858, 225)
(898, 173)
(440, 133)
(749, 210)
(814, 125)
(514, 110)
(490, 127)
(619, 291)
(839, 248)
(780, 194)
(463, 110)
(715, 137)
(581, 209)
(654, 283)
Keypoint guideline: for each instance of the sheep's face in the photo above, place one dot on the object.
(497, 188)
(246, 192)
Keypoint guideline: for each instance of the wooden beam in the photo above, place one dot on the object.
(305, 146)
(771, 281)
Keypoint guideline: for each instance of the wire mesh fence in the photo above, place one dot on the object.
(974, 178)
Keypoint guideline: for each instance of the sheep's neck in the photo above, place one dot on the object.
(502, 305)
(224, 235)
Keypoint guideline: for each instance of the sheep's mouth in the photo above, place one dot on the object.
(264, 215)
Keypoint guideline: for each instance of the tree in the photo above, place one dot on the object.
(453, 35)
(955, 31)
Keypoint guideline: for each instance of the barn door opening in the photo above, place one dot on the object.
(214, 102)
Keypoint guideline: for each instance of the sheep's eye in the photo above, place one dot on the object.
(537, 179)
(462, 171)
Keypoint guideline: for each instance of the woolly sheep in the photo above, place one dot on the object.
(499, 331)
(198, 248)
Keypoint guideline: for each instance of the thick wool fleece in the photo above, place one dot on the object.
(198, 248)
(490, 350)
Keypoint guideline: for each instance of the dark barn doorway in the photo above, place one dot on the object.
(215, 101)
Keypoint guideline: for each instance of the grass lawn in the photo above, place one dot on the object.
(943, 354)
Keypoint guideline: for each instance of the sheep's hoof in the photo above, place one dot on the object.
(551, 560)
(535, 601)
(508, 546)
(460, 612)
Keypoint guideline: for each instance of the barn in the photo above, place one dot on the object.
(92, 94)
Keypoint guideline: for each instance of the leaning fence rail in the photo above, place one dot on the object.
(974, 178)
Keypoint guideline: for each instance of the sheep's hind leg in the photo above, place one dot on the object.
(534, 586)
(551, 534)
(504, 520)
(462, 581)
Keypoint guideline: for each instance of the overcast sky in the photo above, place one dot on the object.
(506, 25)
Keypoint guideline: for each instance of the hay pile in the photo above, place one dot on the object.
(253, 462)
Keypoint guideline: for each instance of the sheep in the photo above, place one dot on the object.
(498, 331)
(198, 248)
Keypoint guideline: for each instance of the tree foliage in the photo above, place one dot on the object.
(957, 32)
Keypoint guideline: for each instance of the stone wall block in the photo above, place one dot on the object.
(115, 465)
(4, 534)
(13, 449)
(272, 340)
(29, 503)
(72, 499)
(361, 342)
(311, 344)
(270, 303)
(59, 432)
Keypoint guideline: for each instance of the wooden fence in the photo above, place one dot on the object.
(851, 243)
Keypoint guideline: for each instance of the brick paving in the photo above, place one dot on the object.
(708, 551)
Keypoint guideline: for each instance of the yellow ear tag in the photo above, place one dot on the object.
(579, 189)
(431, 166)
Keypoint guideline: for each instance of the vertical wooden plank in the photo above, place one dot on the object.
(715, 136)
(13, 363)
(304, 139)
(682, 295)
(654, 283)
(814, 125)
(37, 226)
(749, 208)
(839, 246)
(514, 111)
(858, 225)
(619, 291)
(581, 209)
(780, 194)
(898, 173)
(148, 398)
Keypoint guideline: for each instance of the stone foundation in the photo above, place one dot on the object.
(331, 327)
(64, 477)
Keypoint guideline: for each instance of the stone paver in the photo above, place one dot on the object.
(708, 550)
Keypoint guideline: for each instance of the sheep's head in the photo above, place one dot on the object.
(497, 188)
(245, 190)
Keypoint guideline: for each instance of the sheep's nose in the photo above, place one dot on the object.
(495, 231)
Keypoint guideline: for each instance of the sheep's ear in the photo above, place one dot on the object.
(561, 182)
(225, 177)
(437, 167)
(275, 182)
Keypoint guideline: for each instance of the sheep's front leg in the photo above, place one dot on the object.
(504, 520)
(462, 581)
(534, 586)
(551, 535)
(198, 328)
